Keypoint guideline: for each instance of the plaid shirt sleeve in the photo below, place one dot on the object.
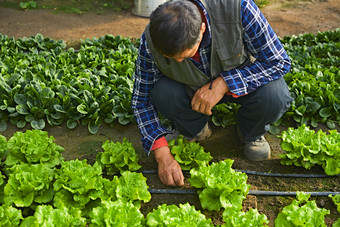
(272, 61)
(145, 76)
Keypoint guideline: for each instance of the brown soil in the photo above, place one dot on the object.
(286, 18)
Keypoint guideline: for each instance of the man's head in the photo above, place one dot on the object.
(176, 29)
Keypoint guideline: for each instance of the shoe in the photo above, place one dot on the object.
(258, 150)
(205, 133)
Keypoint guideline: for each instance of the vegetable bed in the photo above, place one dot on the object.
(82, 98)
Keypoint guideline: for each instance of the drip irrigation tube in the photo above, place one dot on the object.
(286, 175)
(251, 192)
(250, 172)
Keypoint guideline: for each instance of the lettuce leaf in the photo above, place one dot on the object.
(10, 216)
(133, 187)
(3, 147)
(336, 201)
(234, 218)
(189, 154)
(77, 183)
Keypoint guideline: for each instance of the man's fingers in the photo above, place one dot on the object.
(172, 176)
(172, 179)
(204, 109)
(207, 110)
(167, 180)
(179, 178)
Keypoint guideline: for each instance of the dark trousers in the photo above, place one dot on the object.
(258, 109)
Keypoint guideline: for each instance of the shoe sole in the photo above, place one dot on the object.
(258, 158)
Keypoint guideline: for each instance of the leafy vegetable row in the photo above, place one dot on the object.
(314, 79)
(38, 188)
(36, 179)
(43, 82)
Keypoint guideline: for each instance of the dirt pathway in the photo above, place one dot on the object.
(305, 17)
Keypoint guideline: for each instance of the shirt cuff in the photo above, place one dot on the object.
(161, 142)
(234, 95)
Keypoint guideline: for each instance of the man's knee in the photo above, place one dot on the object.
(278, 99)
(268, 102)
(167, 95)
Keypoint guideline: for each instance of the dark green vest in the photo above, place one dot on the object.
(227, 50)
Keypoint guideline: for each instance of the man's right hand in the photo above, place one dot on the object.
(169, 171)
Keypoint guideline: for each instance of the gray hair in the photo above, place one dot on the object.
(175, 26)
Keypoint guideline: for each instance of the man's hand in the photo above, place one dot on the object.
(205, 98)
(169, 171)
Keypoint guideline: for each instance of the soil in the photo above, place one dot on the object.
(286, 17)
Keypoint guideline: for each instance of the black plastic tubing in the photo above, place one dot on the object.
(251, 192)
(250, 172)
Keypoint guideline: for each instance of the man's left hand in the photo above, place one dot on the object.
(205, 98)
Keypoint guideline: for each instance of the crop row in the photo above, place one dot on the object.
(41, 81)
(39, 188)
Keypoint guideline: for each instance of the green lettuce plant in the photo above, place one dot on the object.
(28, 183)
(221, 185)
(77, 183)
(336, 201)
(189, 154)
(34, 147)
(224, 114)
(133, 187)
(172, 215)
(117, 213)
(303, 147)
(336, 223)
(118, 157)
(46, 215)
(236, 218)
(301, 212)
(10, 216)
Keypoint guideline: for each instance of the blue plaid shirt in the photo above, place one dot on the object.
(259, 39)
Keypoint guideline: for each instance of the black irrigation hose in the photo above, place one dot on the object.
(251, 192)
(250, 172)
(286, 175)
(279, 193)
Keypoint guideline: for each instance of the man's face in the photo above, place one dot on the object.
(188, 53)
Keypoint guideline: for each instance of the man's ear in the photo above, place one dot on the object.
(203, 27)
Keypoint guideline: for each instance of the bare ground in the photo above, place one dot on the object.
(286, 18)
